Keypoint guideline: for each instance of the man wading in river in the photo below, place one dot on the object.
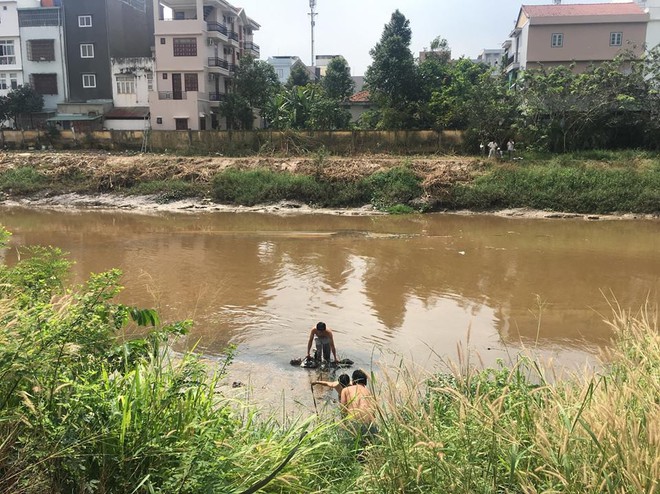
(324, 342)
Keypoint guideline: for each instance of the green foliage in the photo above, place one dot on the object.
(299, 76)
(395, 186)
(264, 186)
(255, 81)
(392, 77)
(580, 189)
(22, 180)
(337, 82)
(23, 100)
(237, 111)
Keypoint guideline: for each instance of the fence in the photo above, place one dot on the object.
(236, 143)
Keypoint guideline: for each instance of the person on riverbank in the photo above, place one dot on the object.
(492, 149)
(325, 342)
(510, 148)
(342, 382)
(358, 406)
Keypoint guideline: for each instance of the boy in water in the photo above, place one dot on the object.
(342, 382)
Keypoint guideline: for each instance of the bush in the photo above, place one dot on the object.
(397, 185)
(23, 180)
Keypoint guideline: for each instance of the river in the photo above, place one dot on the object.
(410, 288)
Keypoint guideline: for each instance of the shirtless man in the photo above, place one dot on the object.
(325, 342)
(357, 403)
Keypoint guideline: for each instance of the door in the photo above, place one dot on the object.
(177, 92)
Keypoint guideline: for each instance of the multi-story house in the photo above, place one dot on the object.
(491, 57)
(11, 67)
(579, 34)
(42, 44)
(199, 44)
(98, 33)
(283, 65)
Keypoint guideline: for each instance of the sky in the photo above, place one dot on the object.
(352, 27)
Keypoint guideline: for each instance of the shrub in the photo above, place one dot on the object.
(23, 180)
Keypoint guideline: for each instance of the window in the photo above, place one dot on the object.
(616, 39)
(89, 80)
(44, 83)
(162, 41)
(86, 50)
(7, 55)
(190, 82)
(185, 47)
(181, 123)
(41, 50)
(38, 17)
(557, 40)
(159, 120)
(84, 21)
(125, 84)
(8, 80)
(150, 82)
(164, 75)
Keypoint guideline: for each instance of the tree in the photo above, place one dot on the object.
(255, 81)
(392, 76)
(237, 111)
(23, 100)
(337, 82)
(299, 76)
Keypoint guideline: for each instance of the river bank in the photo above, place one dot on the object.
(617, 186)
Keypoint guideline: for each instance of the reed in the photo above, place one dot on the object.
(508, 430)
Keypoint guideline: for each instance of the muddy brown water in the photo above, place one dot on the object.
(393, 288)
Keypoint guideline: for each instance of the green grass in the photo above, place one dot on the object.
(249, 187)
(22, 181)
(562, 187)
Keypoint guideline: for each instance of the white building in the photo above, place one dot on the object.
(652, 7)
(42, 43)
(283, 65)
(11, 68)
(491, 57)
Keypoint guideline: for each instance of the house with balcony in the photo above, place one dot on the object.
(579, 34)
(11, 60)
(283, 65)
(199, 44)
(41, 31)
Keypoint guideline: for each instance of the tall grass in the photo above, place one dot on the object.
(509, 430)
(576, 188)
(383, 189)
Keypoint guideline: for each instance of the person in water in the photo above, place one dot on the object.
(357, 403)
(325, 342)
(342, 382)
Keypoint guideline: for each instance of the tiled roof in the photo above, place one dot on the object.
(361, 97)
(565, 10)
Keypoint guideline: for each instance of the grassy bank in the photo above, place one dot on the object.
(593, 182)
(83, 410)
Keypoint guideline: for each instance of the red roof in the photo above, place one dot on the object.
(580, 9)
(360, 97)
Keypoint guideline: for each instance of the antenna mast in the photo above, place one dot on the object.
(312, 14)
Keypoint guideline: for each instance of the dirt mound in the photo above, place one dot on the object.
(110, 170)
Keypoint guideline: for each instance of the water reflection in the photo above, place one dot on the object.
(414, 285)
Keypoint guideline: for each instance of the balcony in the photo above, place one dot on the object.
(217, 96)
(252, 47)
(233, 35)
(172, 95)
(218, 62)
(217, 27)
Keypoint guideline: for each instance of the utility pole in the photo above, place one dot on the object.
(312, 14)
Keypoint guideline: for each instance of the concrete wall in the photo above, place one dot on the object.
(244, 142)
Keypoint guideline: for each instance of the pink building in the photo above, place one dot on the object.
(199, 44)
(552, 35)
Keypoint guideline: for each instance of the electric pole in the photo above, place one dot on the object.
(312, 14)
